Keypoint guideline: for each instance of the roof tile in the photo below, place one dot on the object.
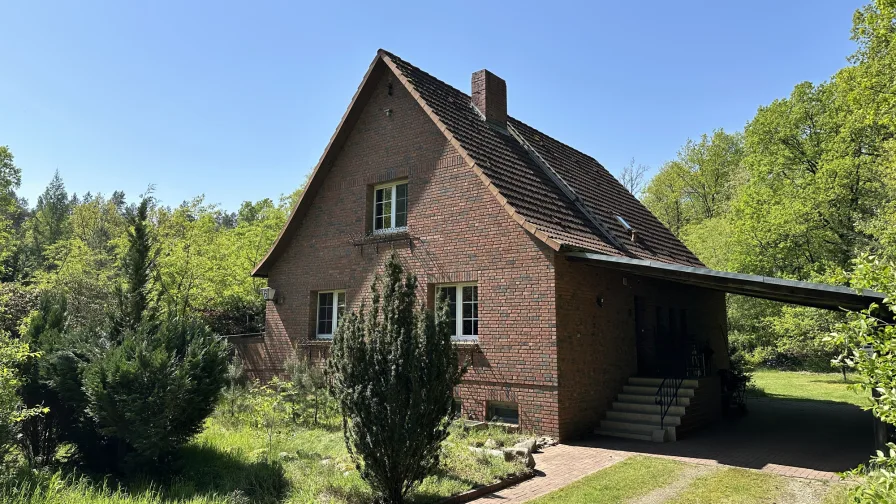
(530, 191)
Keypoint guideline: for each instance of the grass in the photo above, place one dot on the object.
(228, 463)
(803, 385)
(733, 486)
(629, 479)
(636, 477)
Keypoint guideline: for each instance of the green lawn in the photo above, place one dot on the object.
(733, 486)
(228, 464)
(620, 482)
(649, 479)
(802, 385)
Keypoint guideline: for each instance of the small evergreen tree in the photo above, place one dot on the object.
(133, 296)
(41, 435)
(235, 388)
(152, 393)
(392, 371)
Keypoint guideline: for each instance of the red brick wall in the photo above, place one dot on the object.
(458, 232)
(597, 350)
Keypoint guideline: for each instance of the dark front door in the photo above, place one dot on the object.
(643, 339)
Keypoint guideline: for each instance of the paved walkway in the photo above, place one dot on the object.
(805, 439)
(557, 467)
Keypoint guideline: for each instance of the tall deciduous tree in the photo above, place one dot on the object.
(700, 183)
(392, 370)
(10, 179)
(633, 177)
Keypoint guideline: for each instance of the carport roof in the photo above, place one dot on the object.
(817, 295)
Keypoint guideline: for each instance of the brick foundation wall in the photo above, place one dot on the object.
(457, 231)
(596, 340)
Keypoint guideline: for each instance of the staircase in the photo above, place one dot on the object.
(636, 415)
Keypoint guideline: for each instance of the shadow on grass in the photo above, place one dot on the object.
(199, 471)
(204, 470)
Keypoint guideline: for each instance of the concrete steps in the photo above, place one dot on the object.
(649, 399)
(651, 391)
(645, 408)
(624, 434)
(636, 415)
(655, 382)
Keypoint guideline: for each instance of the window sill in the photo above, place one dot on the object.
(389, 231)
(316, 342)
(386, 236)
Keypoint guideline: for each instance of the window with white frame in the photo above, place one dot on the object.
(463, 309)
(330, 309)
(390, 207)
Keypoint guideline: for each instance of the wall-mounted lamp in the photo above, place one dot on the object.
(268, 293)
(600, 301)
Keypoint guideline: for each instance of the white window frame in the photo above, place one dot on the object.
(458, 334)
(335, 294)
(394, 187)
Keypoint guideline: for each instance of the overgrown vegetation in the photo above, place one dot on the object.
(392, 371)
(129, 391)
(233, 461)
(12, 412)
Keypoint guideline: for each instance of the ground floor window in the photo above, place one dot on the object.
(504, 412)
(463, 309)
(330, 308)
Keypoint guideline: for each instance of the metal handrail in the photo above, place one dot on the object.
(666, 395)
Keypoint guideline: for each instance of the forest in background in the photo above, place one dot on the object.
(74, 245)
(805, 191)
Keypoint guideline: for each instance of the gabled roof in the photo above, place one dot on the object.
(564, 197)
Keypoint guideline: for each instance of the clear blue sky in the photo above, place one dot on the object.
(238, 100)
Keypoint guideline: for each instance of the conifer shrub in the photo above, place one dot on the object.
(129, 394)
(392, 371)
(151, 394)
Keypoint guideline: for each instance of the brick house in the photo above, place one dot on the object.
(572, 300)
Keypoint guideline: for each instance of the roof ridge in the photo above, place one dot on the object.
(511, 172)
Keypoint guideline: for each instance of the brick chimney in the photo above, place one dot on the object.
(490, 96)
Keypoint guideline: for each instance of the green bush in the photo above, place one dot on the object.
(234, 393)
(13, 354)
(152, 393)
(44, 332)
(392, 371)
(129, 394)
(309, 401)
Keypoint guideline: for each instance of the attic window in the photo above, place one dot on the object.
(390, 207)
(624, 223)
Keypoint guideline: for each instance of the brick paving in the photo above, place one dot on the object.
(803, 439)
(557, 467)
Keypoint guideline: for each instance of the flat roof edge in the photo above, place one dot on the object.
(758, 282)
